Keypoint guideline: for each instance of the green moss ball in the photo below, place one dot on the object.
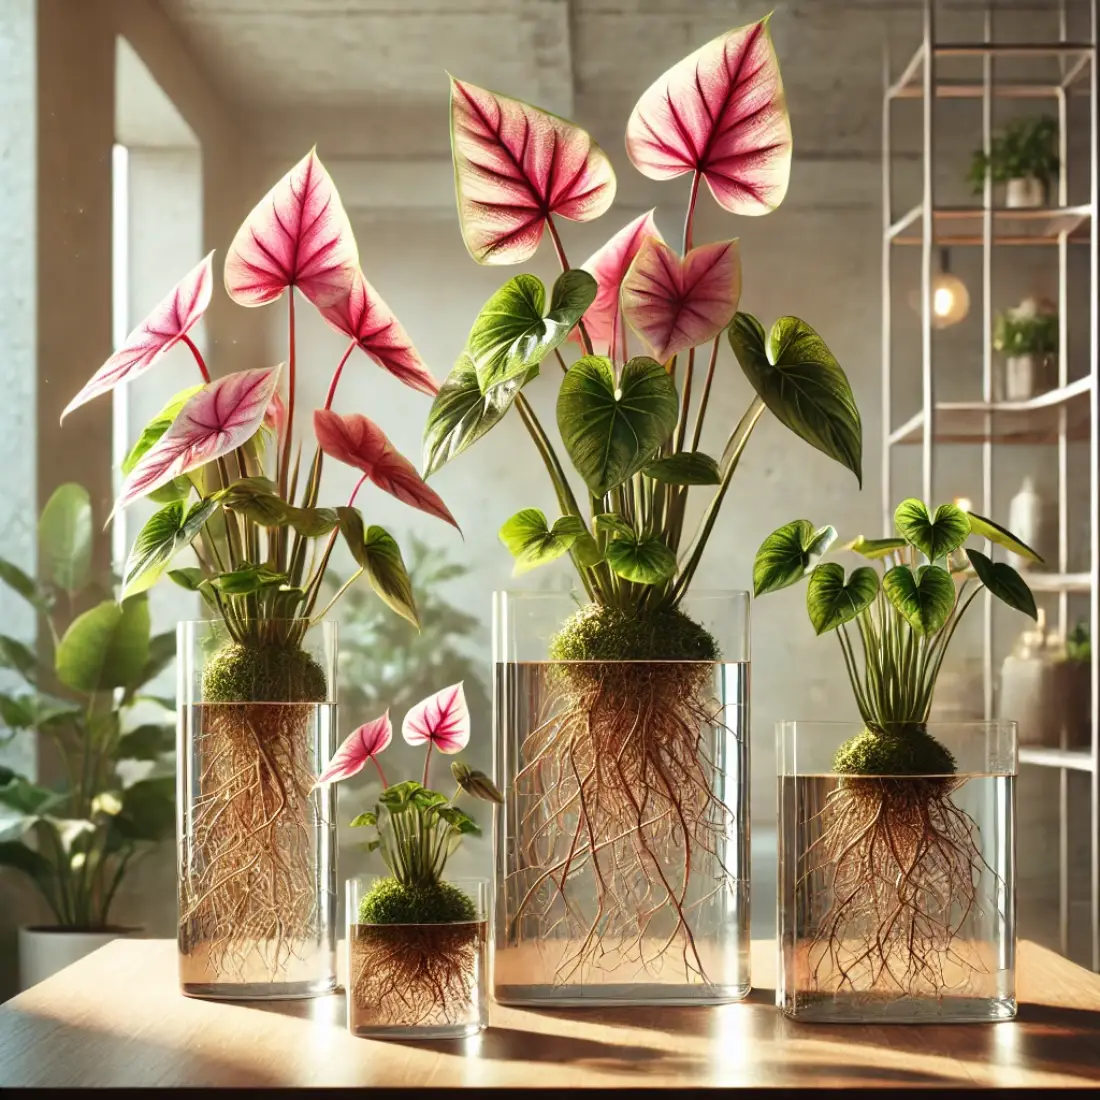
(597, 633)
(263, 674)
(908, 750)
(390, 902)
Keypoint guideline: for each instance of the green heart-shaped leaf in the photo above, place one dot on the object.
(610, 430)
(934, 536)
(611, 523)
(511, 335)
(106, 647)
(1004, 582)
(801, 382)
(925, 598)
(165, 533)
(644, 561)
(461, 414)
(874, 548)
(685, 468)
(532, 542)
(832, 601)
(788, 554)
(988, 529)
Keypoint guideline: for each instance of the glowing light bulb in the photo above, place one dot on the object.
(942, 301)
(964, 503)
(950, 300)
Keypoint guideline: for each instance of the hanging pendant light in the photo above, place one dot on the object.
(950, 298)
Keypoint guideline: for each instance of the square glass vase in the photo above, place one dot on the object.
(897, 892)
(426, 980)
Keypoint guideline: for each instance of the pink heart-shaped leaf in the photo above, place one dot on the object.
(363, 316)
(217, 420)
(161, 330)
(359, 746)
(275, 416)
(297, 235)
(608, 266)
(442, 718)
(720, 112)
(359, 442)
(674, 303)
(515, 166)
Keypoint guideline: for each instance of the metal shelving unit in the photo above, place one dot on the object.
(1067, 413)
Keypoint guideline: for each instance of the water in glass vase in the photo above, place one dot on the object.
(896, 898)
(623, 841)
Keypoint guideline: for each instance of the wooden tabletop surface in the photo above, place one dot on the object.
(116, 1018)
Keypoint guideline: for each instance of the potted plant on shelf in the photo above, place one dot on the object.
(257, 698)
(1027, 336)
(1023, 157)
(896, 836)
(623, 845)
(77, 838)
(417, 943)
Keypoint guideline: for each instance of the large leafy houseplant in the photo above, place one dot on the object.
(650, 322)
(900, 858)
(224, 462)
(1025, 149)
(80, 836)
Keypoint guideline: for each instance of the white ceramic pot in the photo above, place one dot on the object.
(1022, 193)
(44, 950)
(1021, 376)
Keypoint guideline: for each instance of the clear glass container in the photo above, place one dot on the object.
(622, 848)
(256, 842)
(897, 893)
(418, 981)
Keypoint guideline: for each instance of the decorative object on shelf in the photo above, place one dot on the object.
(612, 843)
(950, 298)
(1029, 692)
(896, 849)
(257, 697)
(1025, 515)
(77, 838)
(1073, 686)
(1027, 336)
(417, 944)
(1023, 157)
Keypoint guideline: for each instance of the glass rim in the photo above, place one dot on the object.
(221, 622)
(374, 876)
(785, 724)
(704, 593)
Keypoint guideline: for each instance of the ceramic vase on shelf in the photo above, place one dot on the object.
(1026, 376)
(1025, 193)
(897, 893)
(622, 846)
(417, 981)
(1026, 521)
(256, 841)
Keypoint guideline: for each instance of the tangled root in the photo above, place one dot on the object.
(901, 863)
(248, 889)
(411, 975)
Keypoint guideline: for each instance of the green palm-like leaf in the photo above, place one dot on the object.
(831, 601)
(644, 561)
(1004, 582)
(988, 529)
(788, 554)
(924, 598)
(934, 536)
(613, 429)
(533, 542)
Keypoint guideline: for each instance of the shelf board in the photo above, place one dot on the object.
(1079, 760)
(963, 225)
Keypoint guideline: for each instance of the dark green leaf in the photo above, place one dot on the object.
(385, 568)
(27, 798)
(148, 810)
(400, 795)
(106, 647)
(459, 820)
(164, 535)
(611, 523)
(162, 651)
(34, 711)
(788, 554)
(587, 550)
(934, 536)
(189, 578)
(65, 538)
(14, 853)
(147, 742)
(18, 657)
(925, 599)
(532, 542)
(801, 382)
(20, 583)
(511, 335)
(874, 548)
(831, 601)
(685, 468)
(644, 561)
(987, 529)
(613, 429)
(248, 579)
(361, 820)
(1004, 582)
(476, 783)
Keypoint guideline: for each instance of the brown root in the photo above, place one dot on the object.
(414, 975)
(248, 890)
(901, 864)
(621, 836)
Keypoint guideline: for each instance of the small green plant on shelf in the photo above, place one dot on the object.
(1025, 149)
(1079, 644)
(80, 835)
(1031, 328)
(899, 855)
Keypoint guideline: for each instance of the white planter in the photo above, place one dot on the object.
(1023, 193)
(46, 950)
(1021, 376)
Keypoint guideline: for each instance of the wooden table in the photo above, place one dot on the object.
(116, 1018)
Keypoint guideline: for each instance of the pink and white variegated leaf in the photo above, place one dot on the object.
(608, 266)
(359, 442)
(674, 303)
(442, 719)
(275, 417)
(720, 112)
(364, 317)
(168, 323)
(217, 420)
(297, 235)
(360, 746)
(515, 165)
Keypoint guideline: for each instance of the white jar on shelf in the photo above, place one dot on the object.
(1025, 193)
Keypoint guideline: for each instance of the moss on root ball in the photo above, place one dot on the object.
(390, 902)
(598, 633)
(263, 674)
(907, 750)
